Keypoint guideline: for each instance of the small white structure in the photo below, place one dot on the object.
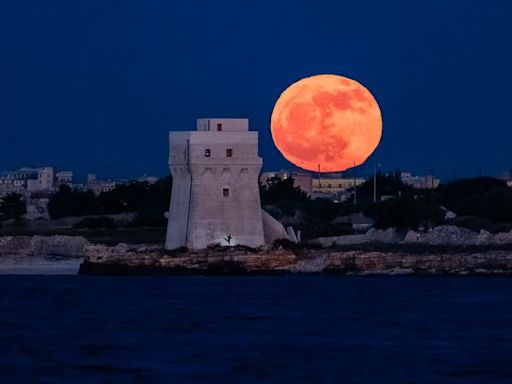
(215, 194)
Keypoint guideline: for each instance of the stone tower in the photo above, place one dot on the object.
(215, 195)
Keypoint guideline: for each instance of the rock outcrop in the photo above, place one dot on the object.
(460, 252)
(386, 236)
(65, 246)
(241, 261)
(448, 235)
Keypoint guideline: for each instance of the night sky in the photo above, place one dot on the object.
(95, 86)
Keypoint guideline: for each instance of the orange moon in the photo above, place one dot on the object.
(329, 122)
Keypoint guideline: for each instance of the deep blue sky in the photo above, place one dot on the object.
(96, 85)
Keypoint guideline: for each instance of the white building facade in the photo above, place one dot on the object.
(215, 196)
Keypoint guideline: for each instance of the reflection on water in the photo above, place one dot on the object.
(307, 329)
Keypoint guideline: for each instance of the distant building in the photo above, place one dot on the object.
(148, 179)
(17, 181)
(419, 182)
(28, 180)
(332, 186)
(335, 184)
(99, 186)
(64, 178)
(302, 180)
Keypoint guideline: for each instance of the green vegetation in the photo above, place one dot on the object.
(68, 202)
(482, 197)
(96, 222)
(480, 203)
(148, 201)
(292, 206)
(12, 207)
(406, 212)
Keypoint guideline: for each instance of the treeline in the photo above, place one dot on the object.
(148, 201)
(478, 203)
(12, 207)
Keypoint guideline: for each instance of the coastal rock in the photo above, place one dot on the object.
(411, 237)
(387, 236)
(443, 235)
(485, 238)
(15, 245)
(237, 260)
(503, 238)
(68, 246)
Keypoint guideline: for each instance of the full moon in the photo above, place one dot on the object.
(326, 123)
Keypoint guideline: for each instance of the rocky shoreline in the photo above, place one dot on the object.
(466, 254)
(238, 261)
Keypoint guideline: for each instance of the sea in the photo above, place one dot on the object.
(281, 329)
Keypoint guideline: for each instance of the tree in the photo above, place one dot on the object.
(68, 202)
(282, 194)
(12, 206)
(405, 212)
(149, 201)
(483, 197)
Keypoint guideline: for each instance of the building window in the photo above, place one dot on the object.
(207, 152)
(225, 192)
(219, 127)
(329, 186)
(229, 152)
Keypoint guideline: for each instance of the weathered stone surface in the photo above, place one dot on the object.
(455, 260)
(386, 236)
(449, 235)
(503, 238)
(443, 235)
(108, 260)
(68, 246)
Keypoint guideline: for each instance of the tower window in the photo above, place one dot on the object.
(219, 127)
(229, 152)
(225, 192)
(207, 152)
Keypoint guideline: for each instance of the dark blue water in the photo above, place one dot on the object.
(308, 329)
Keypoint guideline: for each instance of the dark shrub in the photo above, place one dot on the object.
(500, 227)
(406, 212)
(472, 222)
(483, 197)
(149, 217)
(68, 202)
(96, 222)
(12, 207)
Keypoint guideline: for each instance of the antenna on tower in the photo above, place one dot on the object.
(319, 183)
(355, 188)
